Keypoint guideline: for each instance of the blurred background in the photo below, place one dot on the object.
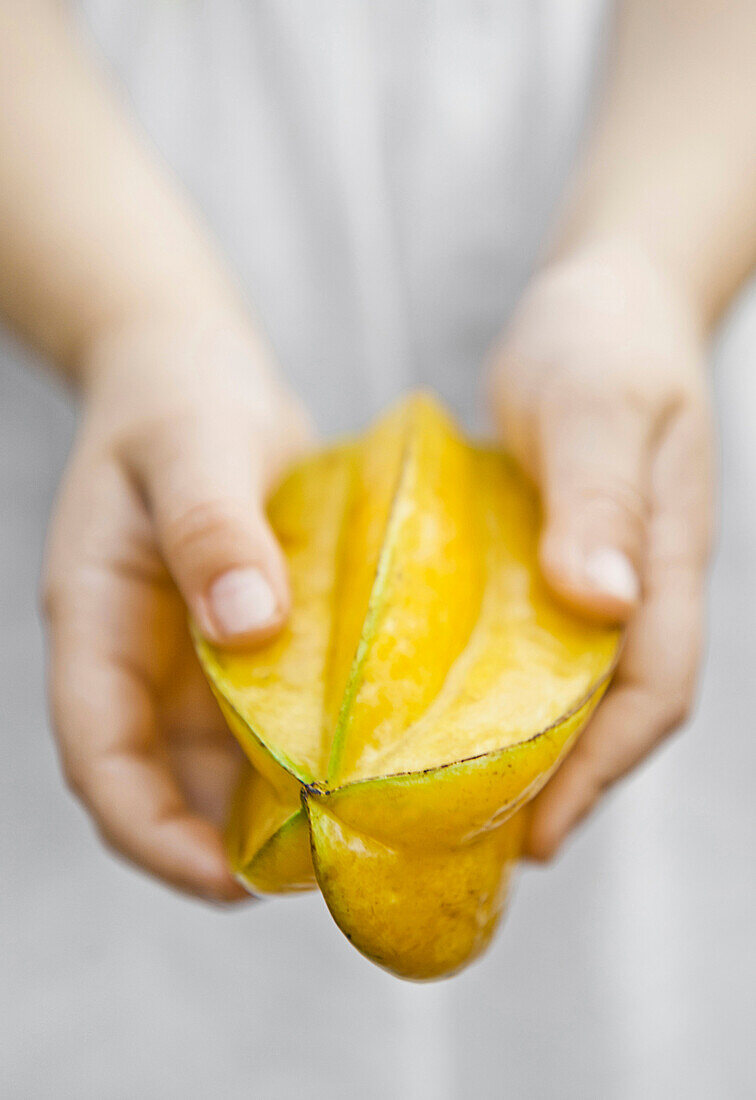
(625, 970)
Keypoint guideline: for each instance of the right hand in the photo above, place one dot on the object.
(162, 508)
(601, 392)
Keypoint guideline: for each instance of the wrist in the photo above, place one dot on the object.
(621, 269)
(119, 342)
(632, 254)
(156, 367)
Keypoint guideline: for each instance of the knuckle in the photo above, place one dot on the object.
(187, 532)
(157, 437)
(679, 710)
(615, 514)
(677, 703)
(615, 499)
(107, 835)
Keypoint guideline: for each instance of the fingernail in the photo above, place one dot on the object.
(242, 601)
(611, 572)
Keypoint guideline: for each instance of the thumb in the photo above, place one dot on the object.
(205, 492)
(595, 460)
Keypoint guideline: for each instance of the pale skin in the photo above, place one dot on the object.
(598, 385)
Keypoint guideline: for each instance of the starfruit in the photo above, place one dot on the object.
(425, 687)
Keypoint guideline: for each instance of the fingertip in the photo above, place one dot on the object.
(183, 850)
(542, 844)
(244, 606)
(206, 871)
(559, 809)
(601, 583)
(227, 891)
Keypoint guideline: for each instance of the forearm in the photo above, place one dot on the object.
(670, 166)
(92, 233)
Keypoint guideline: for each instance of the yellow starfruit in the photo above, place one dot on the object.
(423, 690)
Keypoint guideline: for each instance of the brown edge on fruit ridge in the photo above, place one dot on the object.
(320, 787)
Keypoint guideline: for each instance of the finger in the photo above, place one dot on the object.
(594, 473)
(205, 492)
(655, 682)
(644, 705)
(104, 716)
(203, 755)
(105, 724)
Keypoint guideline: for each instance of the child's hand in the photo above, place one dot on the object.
(163, 505)
(599, 390)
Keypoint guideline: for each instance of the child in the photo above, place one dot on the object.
(598, 385)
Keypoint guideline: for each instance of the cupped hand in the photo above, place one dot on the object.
(162, 508)
(599, 389)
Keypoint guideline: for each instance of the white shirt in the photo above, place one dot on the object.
(381, 175)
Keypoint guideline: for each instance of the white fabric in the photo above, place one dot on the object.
(381, 175)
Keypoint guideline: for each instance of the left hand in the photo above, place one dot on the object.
(186, 429)
(599, 390)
